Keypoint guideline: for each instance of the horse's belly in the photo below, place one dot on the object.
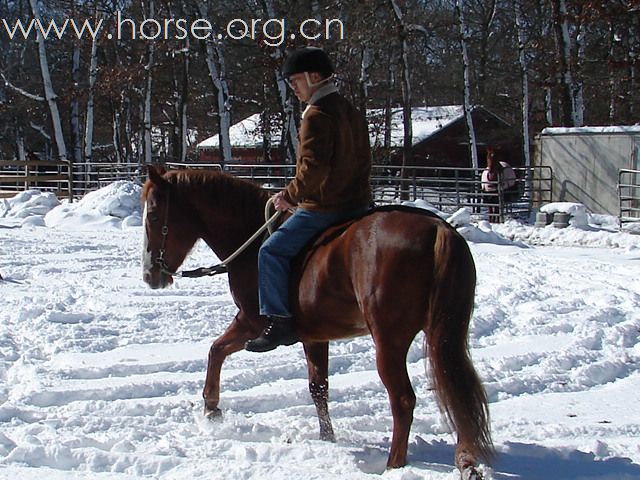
(327, 308)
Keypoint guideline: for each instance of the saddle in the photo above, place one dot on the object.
(334, 231)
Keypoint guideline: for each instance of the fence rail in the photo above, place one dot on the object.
(447, 188)
(89, 176)
(50, 176)
(629, 195)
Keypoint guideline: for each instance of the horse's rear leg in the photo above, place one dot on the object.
(231, 341)
(466, 463)
(318, 365)
(391, 360)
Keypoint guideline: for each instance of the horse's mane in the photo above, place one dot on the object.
(218, 189)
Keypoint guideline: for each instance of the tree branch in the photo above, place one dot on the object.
(7, 83)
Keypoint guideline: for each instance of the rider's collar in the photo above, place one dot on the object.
(322, 92)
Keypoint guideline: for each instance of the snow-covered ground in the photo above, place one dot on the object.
(100, 377)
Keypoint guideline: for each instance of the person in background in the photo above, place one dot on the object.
(331, 184)
(498, 178)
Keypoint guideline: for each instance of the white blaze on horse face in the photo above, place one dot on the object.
(147, 261)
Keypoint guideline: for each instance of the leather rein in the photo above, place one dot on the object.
(221, 267)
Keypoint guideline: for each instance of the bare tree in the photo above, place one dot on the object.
(464, 42)
(215, 58)
(90, 109)
(524, 72)
(571, 116)
(405, 74)
(49, 92)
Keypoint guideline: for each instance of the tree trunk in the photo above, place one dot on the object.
(217, 72)
(405, 75)
(612, 80)
(148, 148)
(366, 62)
(524, 74)
(287, 101)
(21, 153)
(388, 108)
(49, 92)
(116, 135)
(184, 103)
(578, 90)
(569, 115)
(487, 25)
(464, 41)
(76, 136)
(88, 127)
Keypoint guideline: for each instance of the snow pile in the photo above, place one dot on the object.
(589, 236)
(476, 232)
(577, 211)
(585, 229)
(115, 206)
(28, 207)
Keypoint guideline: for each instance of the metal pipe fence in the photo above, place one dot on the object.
(446, 188)
(629, 196)
(89, 176)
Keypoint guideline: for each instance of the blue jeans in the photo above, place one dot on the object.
(277, 252)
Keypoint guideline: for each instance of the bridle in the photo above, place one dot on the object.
(164, 231)
(215, 269)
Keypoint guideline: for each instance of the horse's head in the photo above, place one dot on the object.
(168, 236)
(491, 159)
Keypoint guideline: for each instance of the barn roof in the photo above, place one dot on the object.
(243, 134)
(591, 130)
(426, 121)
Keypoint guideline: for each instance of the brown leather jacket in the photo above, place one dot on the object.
(334, 158)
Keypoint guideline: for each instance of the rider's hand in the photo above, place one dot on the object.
(280, 203)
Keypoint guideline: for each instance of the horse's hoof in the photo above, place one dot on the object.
(212, 413)
(470, 473)
(328, 437)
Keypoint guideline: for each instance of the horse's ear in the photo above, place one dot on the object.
(156, 173)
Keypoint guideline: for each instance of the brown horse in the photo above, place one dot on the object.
(389, 274)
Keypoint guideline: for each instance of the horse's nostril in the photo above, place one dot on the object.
(146, 277)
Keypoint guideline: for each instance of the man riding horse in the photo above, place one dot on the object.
(331, 184)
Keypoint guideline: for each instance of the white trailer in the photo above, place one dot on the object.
(586, 163)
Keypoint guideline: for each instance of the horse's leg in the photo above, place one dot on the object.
(466, 462)
(318, 365)
(231, 341)
(391, 360)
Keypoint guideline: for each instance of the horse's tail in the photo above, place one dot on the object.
(457, 385)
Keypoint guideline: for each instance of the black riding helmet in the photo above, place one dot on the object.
(307, 59)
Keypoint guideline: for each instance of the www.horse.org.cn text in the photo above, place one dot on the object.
(272, 31)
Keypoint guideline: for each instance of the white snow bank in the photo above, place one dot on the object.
(480, 232)
(585, 229)
(115, 206)
(28, 207)
(588, 236)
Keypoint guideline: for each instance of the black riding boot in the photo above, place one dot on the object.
(280, 331)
